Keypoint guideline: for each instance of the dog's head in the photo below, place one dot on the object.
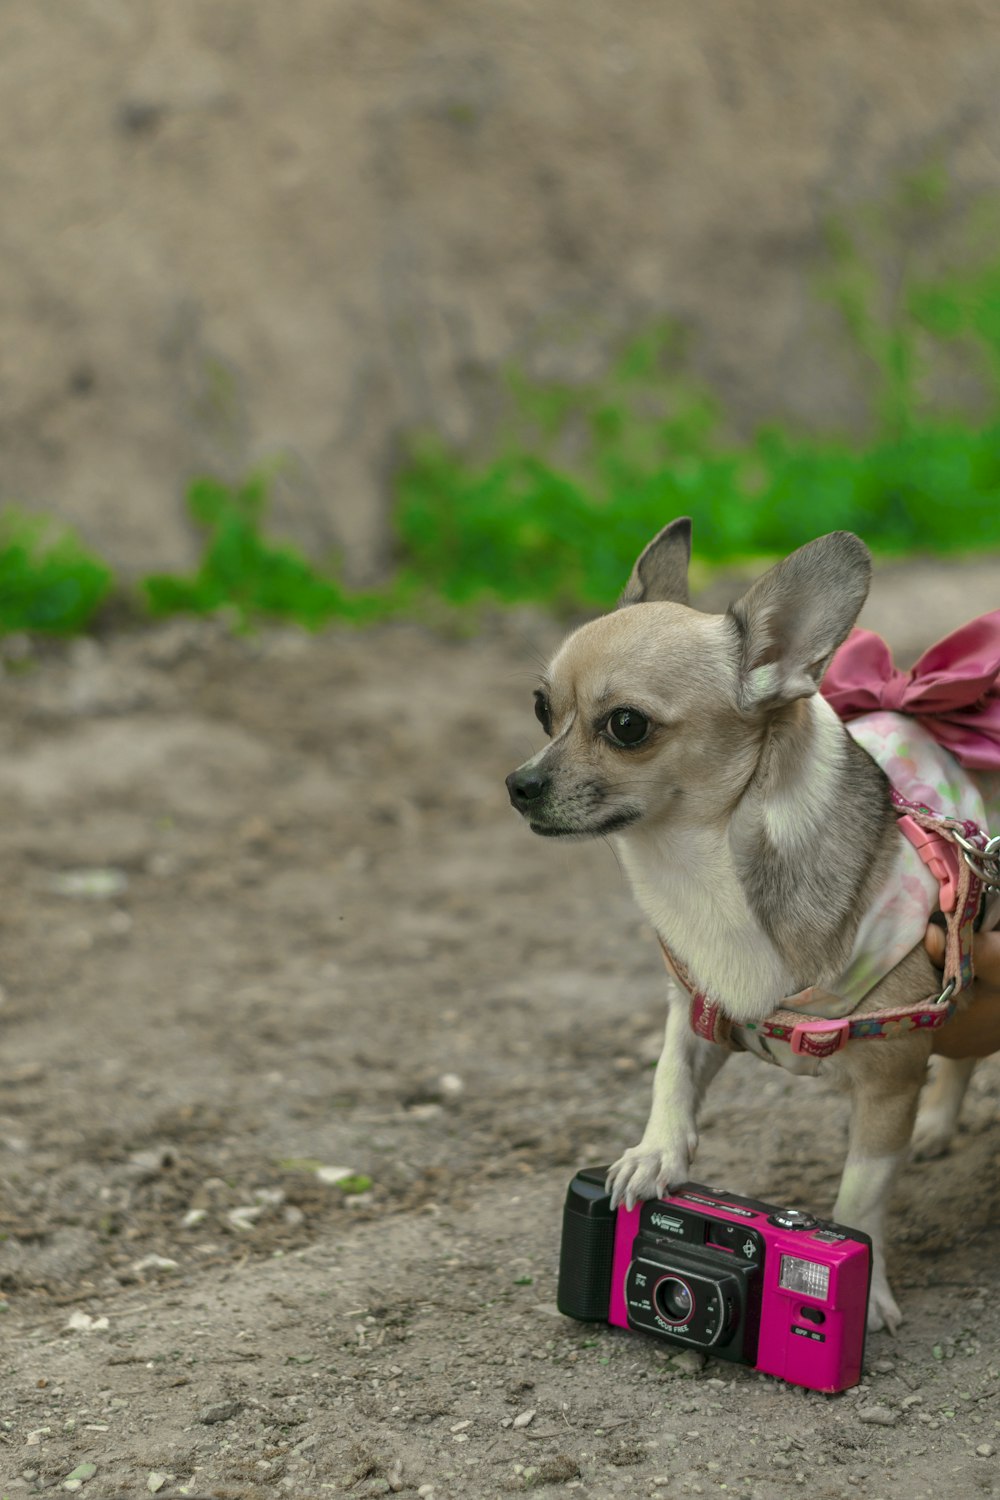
(658, 711)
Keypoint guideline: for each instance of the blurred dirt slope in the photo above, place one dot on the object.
(239, 230)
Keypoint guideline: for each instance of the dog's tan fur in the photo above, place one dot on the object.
(753, 830)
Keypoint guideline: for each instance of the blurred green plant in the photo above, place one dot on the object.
(582, 475)
(244, 572)
(49, 582)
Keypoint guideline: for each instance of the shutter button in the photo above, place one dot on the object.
(792, 1218)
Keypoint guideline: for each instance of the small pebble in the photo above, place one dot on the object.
(985, 1450)
(689, 1362)
(154, 1263)
(523, 1418)
(223, 1411)
(81, 1322)
(245, 1216)
(878, 1416)
(79, 1476)
(98, 884)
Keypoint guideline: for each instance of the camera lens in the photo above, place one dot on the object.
(673, 1298)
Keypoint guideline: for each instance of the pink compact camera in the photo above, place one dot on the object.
(769, 1287)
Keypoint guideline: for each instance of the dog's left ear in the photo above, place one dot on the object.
(661, 573)
(792, 620)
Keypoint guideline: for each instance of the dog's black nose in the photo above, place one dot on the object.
(525, 786)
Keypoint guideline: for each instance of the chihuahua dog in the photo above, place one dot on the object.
(754, 832)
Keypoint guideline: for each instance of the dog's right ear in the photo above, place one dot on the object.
(661, 573)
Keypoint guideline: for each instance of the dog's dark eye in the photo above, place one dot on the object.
(543, 712)
(627, 726)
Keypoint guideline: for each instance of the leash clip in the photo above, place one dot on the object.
(946, 993)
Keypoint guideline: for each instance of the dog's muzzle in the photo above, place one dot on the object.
(525, 788)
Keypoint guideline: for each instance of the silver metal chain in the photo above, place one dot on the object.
(984, 863)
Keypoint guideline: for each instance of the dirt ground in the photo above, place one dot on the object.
(267, 911)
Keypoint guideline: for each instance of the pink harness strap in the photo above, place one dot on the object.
(940, 841)
(967, 850)
(817, 1037)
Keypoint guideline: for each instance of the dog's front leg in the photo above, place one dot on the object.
(881, 1122)
(686, 1067)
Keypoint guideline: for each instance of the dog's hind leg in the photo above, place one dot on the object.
(661, 1160)
(940, 1106)
(884, 1105)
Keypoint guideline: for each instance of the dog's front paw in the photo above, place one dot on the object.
(883, 1311)
(644, 1172)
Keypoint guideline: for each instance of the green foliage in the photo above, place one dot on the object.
(355, 1184)
(585, 475)
(582, 475)
(241, 570)
(48, 581)
(524, 527)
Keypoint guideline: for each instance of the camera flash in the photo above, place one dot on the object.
(805, 1276)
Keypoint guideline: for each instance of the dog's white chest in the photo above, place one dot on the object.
(690, 893)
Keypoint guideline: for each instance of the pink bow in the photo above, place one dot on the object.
(952, 689)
